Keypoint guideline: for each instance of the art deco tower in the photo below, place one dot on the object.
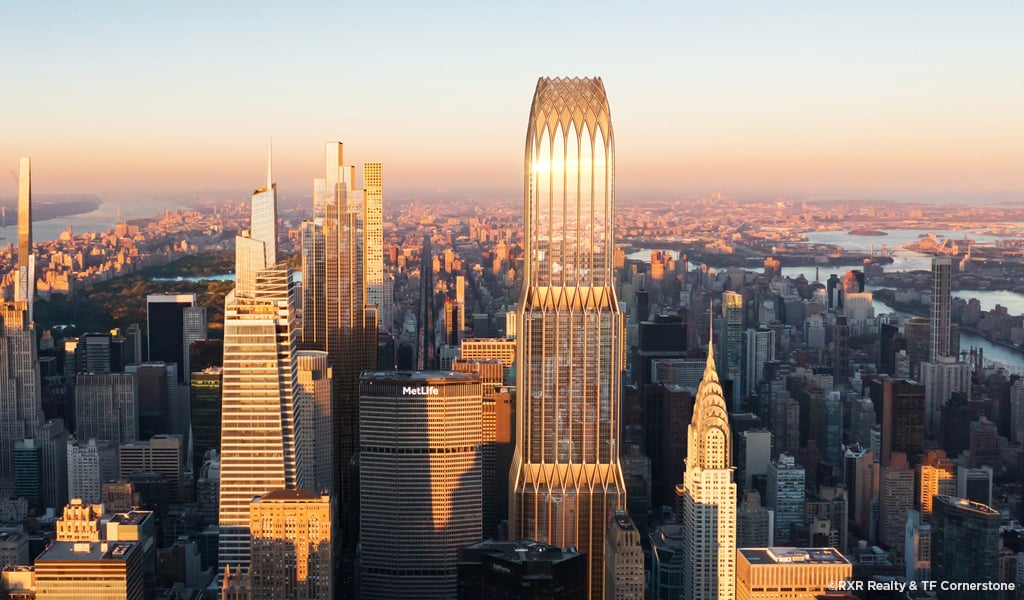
(565, 475)
(707, 496)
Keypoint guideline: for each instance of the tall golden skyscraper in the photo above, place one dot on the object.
(565, 476)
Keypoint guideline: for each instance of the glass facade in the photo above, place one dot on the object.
(566, 475)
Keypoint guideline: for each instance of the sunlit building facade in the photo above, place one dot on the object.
(260, 448)
(291, 546)
(566, 477)
(419, 481)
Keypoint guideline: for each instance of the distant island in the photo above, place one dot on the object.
(47, 207)
(871, 232)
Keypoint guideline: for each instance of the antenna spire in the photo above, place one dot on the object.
(270, 161)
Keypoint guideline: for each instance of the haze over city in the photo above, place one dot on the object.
(918, 101)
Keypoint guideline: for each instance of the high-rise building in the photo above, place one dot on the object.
(895, 499)
(942, 274)
(21, 401)
(313, 401)
(28, 473)
(785, 496)
(760, 349)
(260, 448)
(263, 219)
(940, 380)
(797, 573)
(373, 237)
(486, 348)
(194, 327)
(521, 569)
(25, 275)
(291, 546)
(205, 390)
(419, 458)
(707, 496)
(755, 524)
(901, 403)
(335, 315)
(936, 476)
(107, 407)
(566, 470)
(53, 439)
(91, 570)
(974, 484)
(624, 560)
(425, 343)
(917, 548)
(90, 464)
(965, 545)
(163, 454)
(732, 344)
(165, 324)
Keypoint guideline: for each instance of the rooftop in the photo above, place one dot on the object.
(291, 495)
(85, 551)
(423, 376)
(788, 555)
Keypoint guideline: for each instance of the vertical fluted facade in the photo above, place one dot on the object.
(566, 477)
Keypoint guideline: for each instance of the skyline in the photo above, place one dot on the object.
(917, 102)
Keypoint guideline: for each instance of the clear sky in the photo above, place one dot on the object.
(903, 100)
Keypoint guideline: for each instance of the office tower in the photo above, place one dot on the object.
(106, 407)
(707, 496)
(785, 496)
(335, 316)
(668, 561)
(901, 403)
(163, 454)
(755, 524)
(803, 573)
(624, 560)
(259, 417)
(936, 477)
(313, 402)
(831, 435)
(917, 548)
(194, 328)
(860, 475)
(760, 349)
(425, 350)
(291, 546)
(895, 498)
(460, 306)
(942, 275)
(974, 484)
(754, 454)
(80, 522)
(119, 496)
(984, 445)
(165, 323)
(91, 570)
(786, 425)
(28, 473)
(484, 348)
(732, 344)
(53, 439)
(20, 385)
(917, 335)
(940, 380)
(1017, 412)
(205, 390)
(841, 350)
(521, 569)
(93, 352)
(373, 237)
(566, 468)
(13, 554)
(965, 545)
(90, 464)
(862, 419)
(133, 345)
(662, 338)
(263, 219)
(409, 422)
(161, 409)
(497, 440)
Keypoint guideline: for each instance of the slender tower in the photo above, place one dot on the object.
(942, 267)
(565, 476)
(425, 355)
(707, 496)
(25, 274)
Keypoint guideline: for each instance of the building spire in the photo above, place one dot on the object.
(270, 161)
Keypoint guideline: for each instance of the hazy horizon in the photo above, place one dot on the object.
(911, 102)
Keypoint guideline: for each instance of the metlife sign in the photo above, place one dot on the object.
(423, 390)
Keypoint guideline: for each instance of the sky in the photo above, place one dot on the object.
(889, 100)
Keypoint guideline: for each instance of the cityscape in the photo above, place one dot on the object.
(421, 377)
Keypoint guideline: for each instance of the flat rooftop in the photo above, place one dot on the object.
(85, 551)
(788, 555)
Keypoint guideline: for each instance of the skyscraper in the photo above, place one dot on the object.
(732, 344)
(291, 546)
(373, 238)
(335, 315)
(25, 274)
(425, 343)
(707, 496)
(165, 322)
(566, 472)
(419, 481)
(264, 213)
(942, 273)
(965, 545)
(259, 417)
